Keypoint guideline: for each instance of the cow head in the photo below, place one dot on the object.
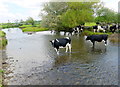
(52, 42)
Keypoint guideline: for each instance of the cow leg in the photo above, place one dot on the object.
(94, 30)
(81, 30)
(66, 49)
(104, 31)
(69, 47)
(93, 43)
(98, 30)
(106, 43)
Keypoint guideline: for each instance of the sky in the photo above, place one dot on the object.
(13, 10)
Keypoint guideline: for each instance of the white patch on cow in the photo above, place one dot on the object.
(61, 47)
(78, 30)
(53, 41)
(100, 28)
(57, 40)
(67, 37)
(105, 44)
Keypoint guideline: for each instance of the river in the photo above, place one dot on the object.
(33, 61)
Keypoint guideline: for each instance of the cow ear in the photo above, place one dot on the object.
(50, 40)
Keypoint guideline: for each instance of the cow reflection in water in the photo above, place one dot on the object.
(98, 50)
(62, 59)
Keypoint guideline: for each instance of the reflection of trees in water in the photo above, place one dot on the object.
(98, 50)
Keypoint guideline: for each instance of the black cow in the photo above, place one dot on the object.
(61, 43)
(97, 38)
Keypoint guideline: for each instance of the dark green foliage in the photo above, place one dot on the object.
(59, 15)
(106, 15)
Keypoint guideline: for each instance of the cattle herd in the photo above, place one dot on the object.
(99, 27)
(66, 42)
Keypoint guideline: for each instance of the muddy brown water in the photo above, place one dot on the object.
(33, 61)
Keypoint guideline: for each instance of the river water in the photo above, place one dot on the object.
(33, 61)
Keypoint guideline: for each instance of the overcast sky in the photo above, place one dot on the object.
(22, 9)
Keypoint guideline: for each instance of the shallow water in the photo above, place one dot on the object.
(33, 61)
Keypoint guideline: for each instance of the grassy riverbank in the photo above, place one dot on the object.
(115, 38)
(3, 40)
(3, 43)
(86, 32)
(1, 71)
(34, 29)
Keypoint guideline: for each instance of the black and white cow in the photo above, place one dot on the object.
(78, 29)
(98, 28)
(61, 43)
(70, 31)
(97, 38)
(106, 27)
(113, 28)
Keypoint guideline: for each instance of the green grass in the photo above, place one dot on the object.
(86, 32)
(3, 40)
(33, 29)
(1, 71)
(2, 34)
(24, 26)
(0, 26)
(90, 24)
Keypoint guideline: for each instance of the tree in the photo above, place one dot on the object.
(52, 13)
(30, 20)
(78, 13)
(60, 15)
(106, 15)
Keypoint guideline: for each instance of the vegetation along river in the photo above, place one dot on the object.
(33, 61)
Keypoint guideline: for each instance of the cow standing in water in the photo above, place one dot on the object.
(61, 43)
(97, 38)
(113, 28)
(98, 28)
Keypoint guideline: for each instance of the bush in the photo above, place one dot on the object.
(2, 34)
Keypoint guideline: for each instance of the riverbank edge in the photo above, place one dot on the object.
(3, 43)
(33, 29)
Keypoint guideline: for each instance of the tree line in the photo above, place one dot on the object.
(62, 15)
